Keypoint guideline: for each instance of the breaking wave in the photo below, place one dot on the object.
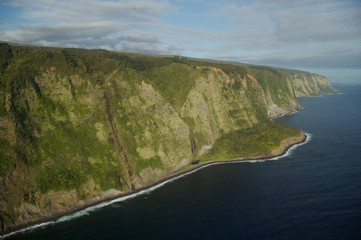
(96, 207)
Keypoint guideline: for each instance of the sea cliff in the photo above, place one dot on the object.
(79, 126)
(308, 84)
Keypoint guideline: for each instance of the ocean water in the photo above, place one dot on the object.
(314, 192)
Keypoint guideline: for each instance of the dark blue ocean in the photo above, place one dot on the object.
(313, 193)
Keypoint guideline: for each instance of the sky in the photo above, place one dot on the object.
(319, 36)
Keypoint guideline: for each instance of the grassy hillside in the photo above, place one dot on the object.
(260, 139)
(76, 123)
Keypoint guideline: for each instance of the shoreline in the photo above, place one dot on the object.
(280, 152)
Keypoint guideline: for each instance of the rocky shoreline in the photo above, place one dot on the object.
(112, 195)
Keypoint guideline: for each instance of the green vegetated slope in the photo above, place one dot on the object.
(76, 123)
(308, 84)
(260, 139)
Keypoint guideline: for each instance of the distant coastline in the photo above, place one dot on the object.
(346, 84)
(285, 145)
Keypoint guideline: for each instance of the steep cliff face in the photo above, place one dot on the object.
(307, 84)
(77, 126)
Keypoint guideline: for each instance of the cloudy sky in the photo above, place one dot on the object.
(320, 36)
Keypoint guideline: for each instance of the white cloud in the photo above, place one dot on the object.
(307, 33)
(318, 22)
(304, 34)
(114, 25)
(91, 10)
(147, 47)
(279, 24)
(315, 57)
(58, 32)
